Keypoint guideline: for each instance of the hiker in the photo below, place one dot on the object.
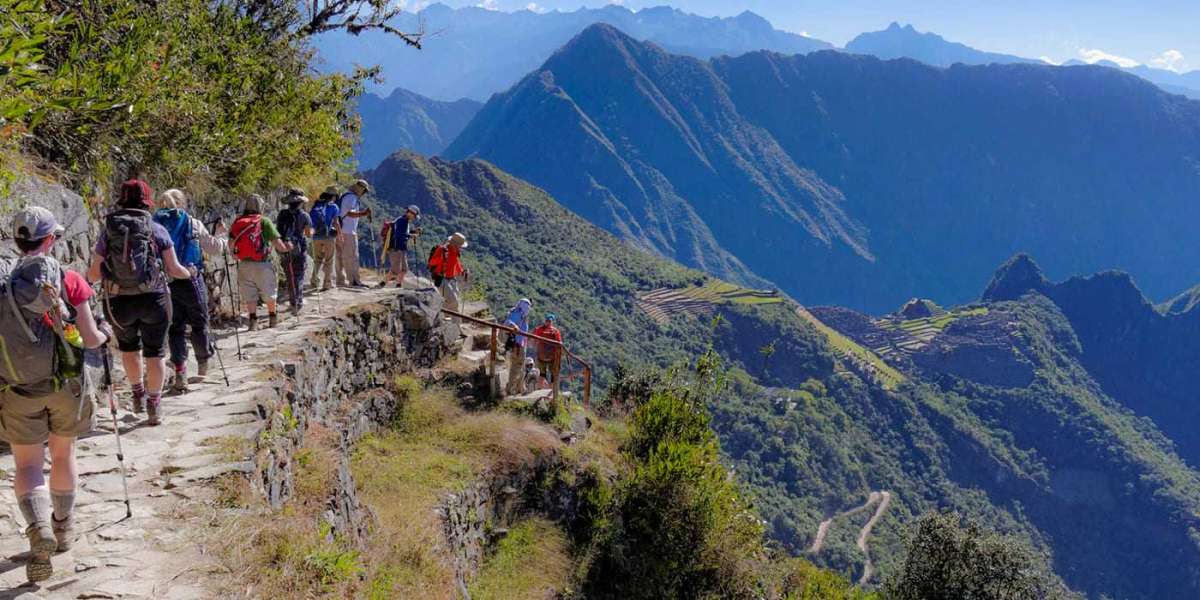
(39, 405)
(445, 263)
(395, 243)
(532, 376)
(324, 220)
(549, 356)
(347, 238)
(252, 234)
(130, 257)
(517, 319)
(295, 227)
(189, 297)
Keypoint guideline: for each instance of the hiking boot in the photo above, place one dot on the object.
(202, 368)
(138, 404)
(41, 545)
(153, 408)
(253, 322)
(179, 383)
(383, 283)
(64, 532)
(272, 320)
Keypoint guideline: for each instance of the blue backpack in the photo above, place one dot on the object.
(322, 216)
(179, 225)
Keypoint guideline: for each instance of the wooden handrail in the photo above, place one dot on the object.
(587, 368)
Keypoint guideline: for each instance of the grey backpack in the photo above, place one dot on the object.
(30, 288)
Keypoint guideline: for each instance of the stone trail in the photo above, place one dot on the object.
(155, 553)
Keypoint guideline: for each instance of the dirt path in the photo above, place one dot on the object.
(823, 528)
(154, 554)
(885, 499)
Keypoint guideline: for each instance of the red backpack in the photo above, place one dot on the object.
(247, 236)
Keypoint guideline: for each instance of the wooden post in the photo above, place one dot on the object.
(492, 353)
(587, 387)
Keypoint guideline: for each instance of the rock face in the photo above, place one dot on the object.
(338, 382)
(68, 207)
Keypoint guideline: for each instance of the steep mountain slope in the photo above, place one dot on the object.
(408, 121)
(473, 52)
(850, 180)
(1044, 454)
(929, 48)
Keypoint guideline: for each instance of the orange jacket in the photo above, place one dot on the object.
(547, 351)
(446, 262)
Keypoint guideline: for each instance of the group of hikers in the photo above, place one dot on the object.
(148, 263)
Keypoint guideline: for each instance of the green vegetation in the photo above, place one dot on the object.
(935, 324)
(218, 96)
(888, 376)
(533, 560)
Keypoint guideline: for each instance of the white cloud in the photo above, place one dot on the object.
(1171, 60)
(488, 5)
(1095, 55)
(533, 7)
(804, 34)
(1050, 61)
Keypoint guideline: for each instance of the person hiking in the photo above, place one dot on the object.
(324, 218)
(395, 243)
(131, 254)
(518, 319)
(445, 263)
(42, 401)
(295, 227)
(252, 236)
(549, 356)
(350, 211)
(189, 297)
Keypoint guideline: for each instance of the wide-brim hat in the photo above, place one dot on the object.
(293, 199)
(457, 239)
(362, 183)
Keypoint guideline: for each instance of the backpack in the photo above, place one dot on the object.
(322, 220)
(179, 226)
(247, 236)
(132, 263)
(290, 228)
(437, 257)
(30, 350)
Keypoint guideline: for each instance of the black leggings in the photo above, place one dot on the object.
(189, 307)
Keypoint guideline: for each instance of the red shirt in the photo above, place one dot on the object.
(546, 351)
(452, 267)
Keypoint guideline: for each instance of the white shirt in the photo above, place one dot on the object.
(349, 203)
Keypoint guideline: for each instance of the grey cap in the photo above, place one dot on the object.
(35, 223)
(412, 208)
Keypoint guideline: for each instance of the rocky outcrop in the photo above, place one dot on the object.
(339, 382)
(68, 207)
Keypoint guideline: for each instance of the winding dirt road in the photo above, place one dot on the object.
(881, 501)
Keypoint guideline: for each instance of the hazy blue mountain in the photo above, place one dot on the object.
(850, 180)
(473, 53)
(408, 121)
(929, 48)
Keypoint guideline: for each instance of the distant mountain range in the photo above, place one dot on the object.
(409, 121)
(850, 180)
(473, 52)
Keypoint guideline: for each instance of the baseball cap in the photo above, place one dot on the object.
(136, 192)
(35, 223)
(414, 209)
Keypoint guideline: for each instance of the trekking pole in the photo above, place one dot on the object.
(221, 361)
(112, 407)
(233, 301)
(292, 283)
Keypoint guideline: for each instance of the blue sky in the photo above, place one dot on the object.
(1160, 33)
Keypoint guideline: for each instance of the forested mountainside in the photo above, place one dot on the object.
(878, 180)
(473, 53)
(406, 120)
(988, 409)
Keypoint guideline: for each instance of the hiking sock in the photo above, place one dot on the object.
(35, 507)
(64, 504)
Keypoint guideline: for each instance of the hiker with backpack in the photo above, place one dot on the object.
(445, 265)
(324, 219)
(350, 209)
(295, 227)
(189, 297)
(396, 235)
(517, 320)
(252, 236)
(42, 399)
(133, 258)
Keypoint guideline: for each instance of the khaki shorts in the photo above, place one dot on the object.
(257, 281)
(26, 420)
(398, 259)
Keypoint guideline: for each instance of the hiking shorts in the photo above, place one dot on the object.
(257, 281)
(29, 420)
(398, 261)
(141, 322)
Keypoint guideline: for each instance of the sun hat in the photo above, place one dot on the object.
(362, 183)
(35, 223)
(458, 240)
(296, 199)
